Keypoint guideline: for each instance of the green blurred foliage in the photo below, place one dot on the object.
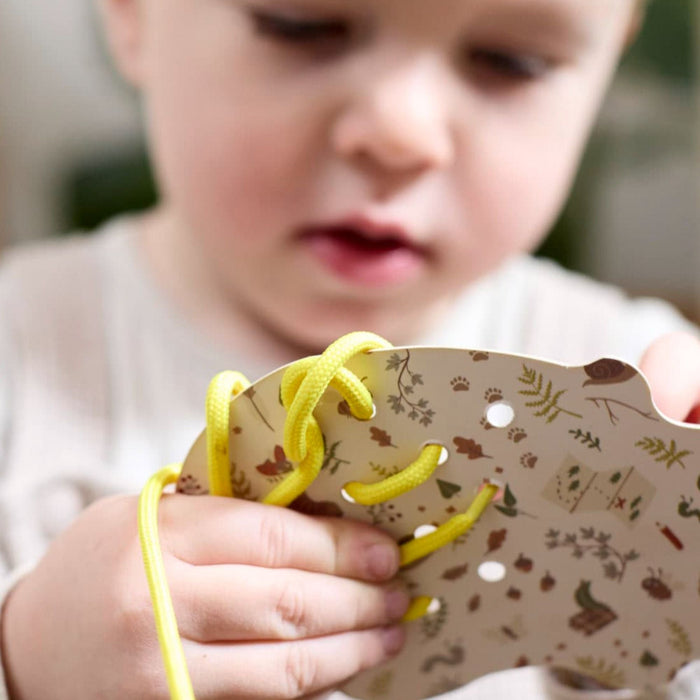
(665, 44)
(664, 48)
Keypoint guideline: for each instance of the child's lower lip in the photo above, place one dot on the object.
(364, 262)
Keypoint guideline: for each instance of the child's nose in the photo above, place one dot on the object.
(400, 121)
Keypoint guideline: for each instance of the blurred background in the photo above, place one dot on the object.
(71, 148)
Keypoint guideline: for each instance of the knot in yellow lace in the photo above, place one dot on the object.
(303, 385)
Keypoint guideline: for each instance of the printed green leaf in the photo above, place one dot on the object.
(668, 454)
(448, 489)
(544, 398)
(508, 498)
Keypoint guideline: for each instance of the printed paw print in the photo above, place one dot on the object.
(460, 384)
(516, 435)
(479, 355)
(189, 485)
(528, 460)
(485, 423)
(492, 395)
(392, 513)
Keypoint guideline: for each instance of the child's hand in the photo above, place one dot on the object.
(270, 604)
(672, 366)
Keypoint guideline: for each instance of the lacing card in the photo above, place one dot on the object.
(586, 559)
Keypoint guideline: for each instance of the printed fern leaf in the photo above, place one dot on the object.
(667, 454)
(544, 397)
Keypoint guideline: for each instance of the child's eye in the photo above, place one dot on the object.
(295, 31)
(516, 67)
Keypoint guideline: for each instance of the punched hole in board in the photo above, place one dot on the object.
(346, 496)
(491, 571)
(444, 453)
(433, 607)
(423, 530)
(500, 414)
(344, 410)
(493, 482)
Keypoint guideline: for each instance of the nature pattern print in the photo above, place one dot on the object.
(584, 560)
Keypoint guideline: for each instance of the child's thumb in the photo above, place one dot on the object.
(672, 366)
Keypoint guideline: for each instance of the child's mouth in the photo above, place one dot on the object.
(365, 253)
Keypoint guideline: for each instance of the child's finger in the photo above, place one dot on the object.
(206, 530)
(272, 670)
(235, 603)
(672, 366)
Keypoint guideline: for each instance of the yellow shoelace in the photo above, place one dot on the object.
(303, 385)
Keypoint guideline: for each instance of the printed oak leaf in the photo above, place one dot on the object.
(381, 437)
(455, 573)
(308, 506)
(496, 540)
(469, 447)
(280, 465)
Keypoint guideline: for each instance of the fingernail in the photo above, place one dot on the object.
(382, 561)
(393, 639)
(397, 602)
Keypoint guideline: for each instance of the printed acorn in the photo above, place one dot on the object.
(656, 587)
(514, 593)
(522, 563)
(547, 582)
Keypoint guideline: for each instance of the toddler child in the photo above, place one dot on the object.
(324, 166)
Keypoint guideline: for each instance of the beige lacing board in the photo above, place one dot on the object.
(586, 557)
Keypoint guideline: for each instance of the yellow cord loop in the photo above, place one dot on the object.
(451, 530)
(300, 406)
(221, 388)
(417, 608)
(406, 480)
(302, 387)
(173, 654)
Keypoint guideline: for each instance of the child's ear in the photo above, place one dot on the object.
(122, 21)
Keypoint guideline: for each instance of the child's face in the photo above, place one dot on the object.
(352, 164)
